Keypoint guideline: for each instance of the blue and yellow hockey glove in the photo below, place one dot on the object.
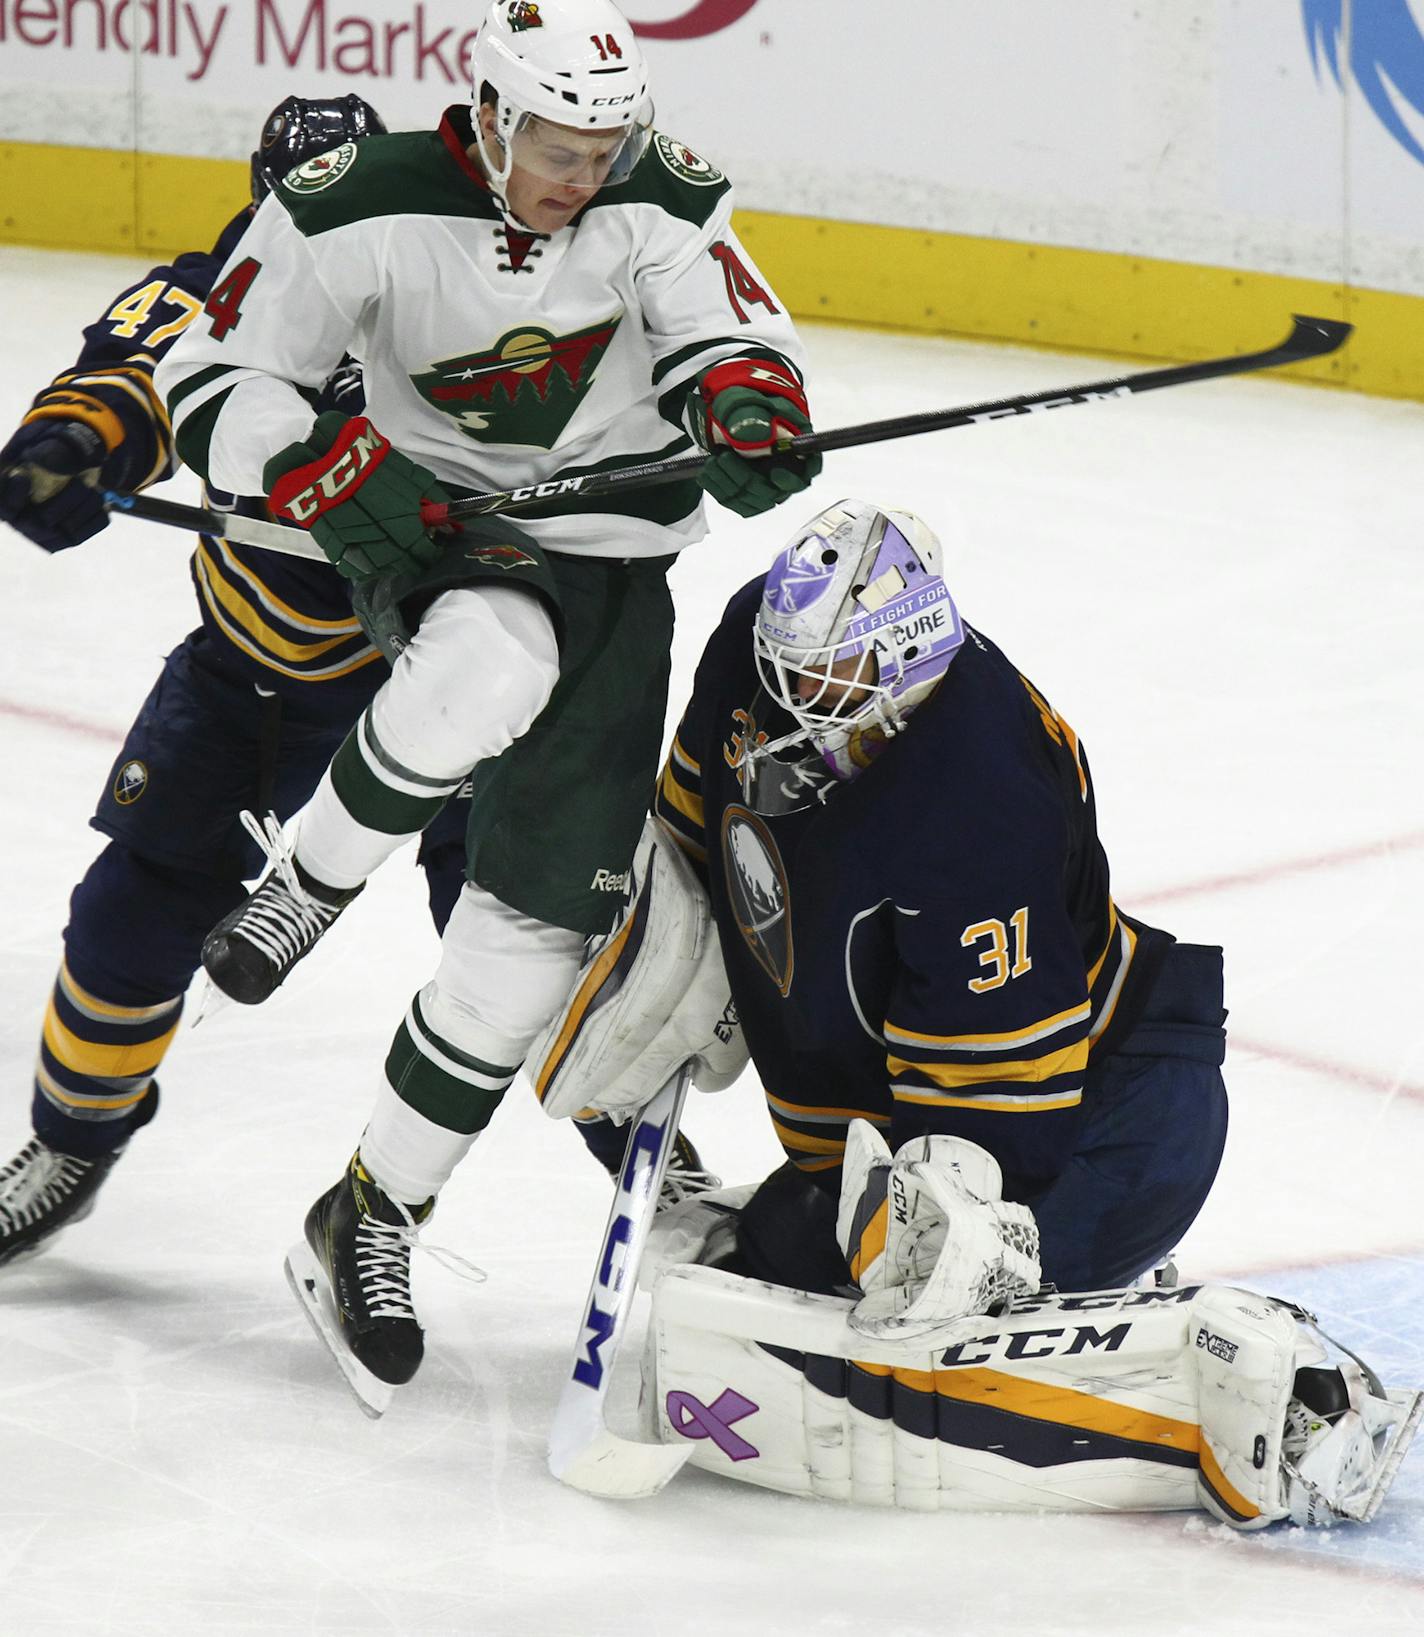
(359, 497)
(49, 472)
(741, 410)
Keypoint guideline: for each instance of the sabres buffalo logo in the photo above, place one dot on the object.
(130, 782)
(525, 389)
(756, 886)
(524, 15)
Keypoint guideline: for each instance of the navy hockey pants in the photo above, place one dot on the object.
(204, 745)
(1144, 1157)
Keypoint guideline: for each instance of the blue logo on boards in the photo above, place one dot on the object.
(1385, 46)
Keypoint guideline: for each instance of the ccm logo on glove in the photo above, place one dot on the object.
(303, 495)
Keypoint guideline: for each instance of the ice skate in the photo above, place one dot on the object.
(249, 952)
(352, 1277)
(686, 1175)
(42, 1191)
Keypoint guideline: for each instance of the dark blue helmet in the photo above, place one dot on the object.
(300, 128)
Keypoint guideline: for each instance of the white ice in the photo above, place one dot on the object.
(1221, 587)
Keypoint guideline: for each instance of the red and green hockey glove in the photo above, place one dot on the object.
(359, 497)
(742, 409)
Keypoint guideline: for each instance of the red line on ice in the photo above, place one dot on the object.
(42, 717)
(1276, 872)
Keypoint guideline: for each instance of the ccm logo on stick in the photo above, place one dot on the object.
(638, 1170)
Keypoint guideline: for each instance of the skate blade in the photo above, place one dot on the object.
(211, 1001)
(309, 1286)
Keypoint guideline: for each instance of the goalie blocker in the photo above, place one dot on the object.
(1120, 1400)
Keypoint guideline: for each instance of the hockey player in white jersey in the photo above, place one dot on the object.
(544, 286)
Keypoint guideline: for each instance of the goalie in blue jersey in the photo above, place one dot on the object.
(993, 1088)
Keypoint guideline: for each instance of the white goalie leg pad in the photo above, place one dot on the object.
(1082, 1403)
(927, 1235)
(1267, 1454)
(1127, 1400)
(651, 994)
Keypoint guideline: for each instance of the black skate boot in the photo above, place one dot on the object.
(42, 1191)
(249, 952)
(685, 1177)
(353, 1278)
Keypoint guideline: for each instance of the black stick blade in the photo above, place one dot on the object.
(1315, 337)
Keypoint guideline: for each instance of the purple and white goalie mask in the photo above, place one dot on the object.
(854, 630)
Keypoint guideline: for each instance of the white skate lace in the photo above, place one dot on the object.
(682, 1183)
(383, 1263)
(36, 1181)
(282, 918)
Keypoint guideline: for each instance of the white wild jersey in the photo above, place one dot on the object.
(495, 358)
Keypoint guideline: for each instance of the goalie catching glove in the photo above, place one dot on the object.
(652, 993)
(741, 410)
(927, 1234)
(359, 497)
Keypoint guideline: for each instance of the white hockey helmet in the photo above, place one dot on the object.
(855, 628)
(575, 64)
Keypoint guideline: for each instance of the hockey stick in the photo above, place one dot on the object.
(583, 1451)
(1309, 338)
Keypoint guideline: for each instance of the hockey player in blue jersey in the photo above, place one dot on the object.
(898, 836)
(247, 713)
(989, 1082)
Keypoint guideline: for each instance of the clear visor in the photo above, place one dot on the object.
(578, 159)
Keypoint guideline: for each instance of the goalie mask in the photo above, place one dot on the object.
(569, 88)
(854, 630)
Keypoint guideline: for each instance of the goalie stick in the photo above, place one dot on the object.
(584, 1452)
(1309, 338)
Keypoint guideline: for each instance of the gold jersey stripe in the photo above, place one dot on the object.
(253, 623)
(987, 1104)
(804, 1144)
(800, 1111)
(1105, 1016)
(682, 801)
(679, 752)
(1067, 1060)
(990, 1042)
(1097, 965)
(350, 626)
(364, 656)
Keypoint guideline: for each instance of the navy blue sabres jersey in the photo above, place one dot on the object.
(933, 948)
(273, 619)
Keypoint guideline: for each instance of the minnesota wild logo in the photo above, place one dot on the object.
(525, 389)
(523, 15)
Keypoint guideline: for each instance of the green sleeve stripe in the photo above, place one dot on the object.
(674, 360)
(196, 383)
(196, 433)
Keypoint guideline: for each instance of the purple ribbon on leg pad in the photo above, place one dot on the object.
(691, 1418)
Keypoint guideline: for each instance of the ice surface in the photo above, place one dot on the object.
(1221, 587)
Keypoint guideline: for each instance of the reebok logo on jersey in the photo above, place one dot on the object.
(303, 495)
(608, 881)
